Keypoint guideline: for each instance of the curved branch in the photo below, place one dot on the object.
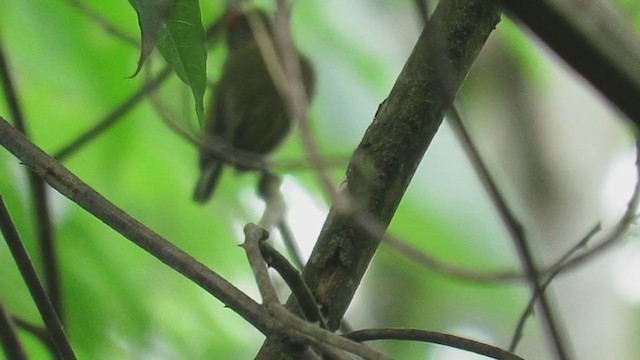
(435, 338)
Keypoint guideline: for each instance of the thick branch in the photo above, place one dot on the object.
(597, 42)
(385, 161)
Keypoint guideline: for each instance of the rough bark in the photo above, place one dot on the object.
(386, 159)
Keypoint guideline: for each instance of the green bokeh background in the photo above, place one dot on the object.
(123, 304)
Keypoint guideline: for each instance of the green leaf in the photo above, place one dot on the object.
(175, 27)
(182, 44)
(152, 15)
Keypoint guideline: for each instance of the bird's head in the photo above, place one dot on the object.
(237, 23)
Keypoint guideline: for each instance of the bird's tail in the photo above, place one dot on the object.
(207, 182)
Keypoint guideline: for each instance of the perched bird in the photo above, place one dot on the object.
(246, 111)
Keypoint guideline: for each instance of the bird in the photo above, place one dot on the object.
(246, 112)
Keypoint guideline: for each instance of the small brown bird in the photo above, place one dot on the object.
(246, 109)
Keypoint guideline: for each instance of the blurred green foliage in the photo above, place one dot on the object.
(123, 304)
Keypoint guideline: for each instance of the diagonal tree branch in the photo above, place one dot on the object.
(44, 227)
(115, 115)
(595, 40)
(385, 161)
(61, 179)
(11, 344)
(65, 182)
(39, 295)
(518, 235)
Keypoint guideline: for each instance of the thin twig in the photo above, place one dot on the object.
(444, 268)
(44, 227)
(222, 149)
(422, 258)
(276, 207)
(253, 236)
(310, 332)
(515, 230)
(269, 191)
(621, 227)
(116, 114)
(290, 244)
(330, 162)
(432, 337)
(528, 311)
(279, 321)
(274, 213)
(295, 282)
(79, 192)
(9, 338)
(565, 262)
(422, 7)
(30, 277)
(286, 74)
(103, 22)
(219, 147)
(37, 331)
(298, 102)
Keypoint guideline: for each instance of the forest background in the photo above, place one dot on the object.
(562, 155)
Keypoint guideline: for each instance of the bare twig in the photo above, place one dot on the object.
(103, 22)
(422, 258)
(516, 231)
(116, 114)
(281, 322)
(274, 213)
(30, 277)
(441, 267)
(297, 101)
(269, 191)
(331, 162)
(621, 227)
(42, 218)
(39, 332)
(9, 338)
(276, 207)
(283, 64)
(295, 282)
(79, 192)
(219, 147)
(432, 337)
(517, 334)
(222, 149)
(308, 331)
(290, 243)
